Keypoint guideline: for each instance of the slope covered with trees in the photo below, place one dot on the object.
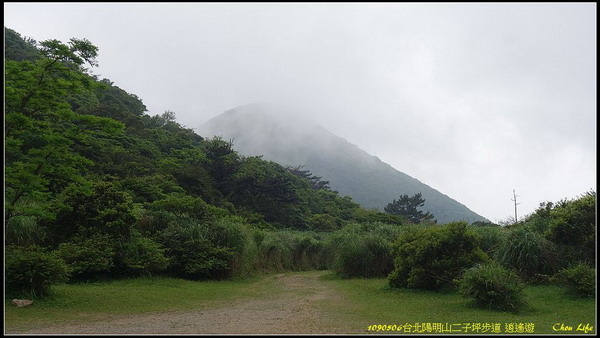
(93, 181)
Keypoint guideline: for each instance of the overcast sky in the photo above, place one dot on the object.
(472, 99)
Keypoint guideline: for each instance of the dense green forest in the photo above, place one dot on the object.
(96, 188)
(113, 191)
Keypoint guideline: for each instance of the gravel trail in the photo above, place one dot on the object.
(291, 308)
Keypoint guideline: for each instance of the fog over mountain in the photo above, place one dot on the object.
(283, 136)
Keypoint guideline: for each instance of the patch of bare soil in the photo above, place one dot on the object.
(291, 308)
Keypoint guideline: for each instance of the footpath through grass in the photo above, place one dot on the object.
(97, 301)
(371, 302)
(358, 304)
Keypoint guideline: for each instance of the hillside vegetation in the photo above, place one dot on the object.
(96, 189)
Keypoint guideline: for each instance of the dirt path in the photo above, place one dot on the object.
(292, 307)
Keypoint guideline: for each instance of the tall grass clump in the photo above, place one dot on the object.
(192, 251)
(363, 250)
(529, 253)
(273, 253)
(579, 279)
(284, 250)
(491, 286)
(24, 231)
(363, 256)
(309, 252)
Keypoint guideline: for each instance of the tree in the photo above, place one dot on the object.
(433, 257)
(407, 206)
(314, 180)
(18, 48)
(102, 208)
(573, 223)
(42, 130)
(267, 188)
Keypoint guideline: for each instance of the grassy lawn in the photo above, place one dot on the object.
(363, 302)
(98, 301)
(371, 302)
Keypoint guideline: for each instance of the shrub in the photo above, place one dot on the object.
(528, 253)
(491, 238)
(193, 251)
(104, 209)
(144, 256)
(88, 257)
(573, 223)
(151, 222)
(232, 233)
(431, 258)
(323, 222)
(492, 286)
(366, 216)
(31, 271)
(580, 280)
(200, 259)
(183, 206)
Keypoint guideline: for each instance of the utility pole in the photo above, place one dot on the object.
(515, 200)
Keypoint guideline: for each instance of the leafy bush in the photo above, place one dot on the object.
(528, 253)
(580, 280)
(492, 286)
(31, 271)
(491, 238)
(573, 223)
(366, 216)
(200, 259)
(101, 208)
(432, 258)
(323, 222)
(193, 253)
(225, 238)
(88, 257)
(183, 206)
(232, 233)
(144, 256)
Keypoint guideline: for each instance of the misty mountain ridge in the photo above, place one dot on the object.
(291, 140)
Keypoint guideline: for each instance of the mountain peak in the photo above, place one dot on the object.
(290, 139)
